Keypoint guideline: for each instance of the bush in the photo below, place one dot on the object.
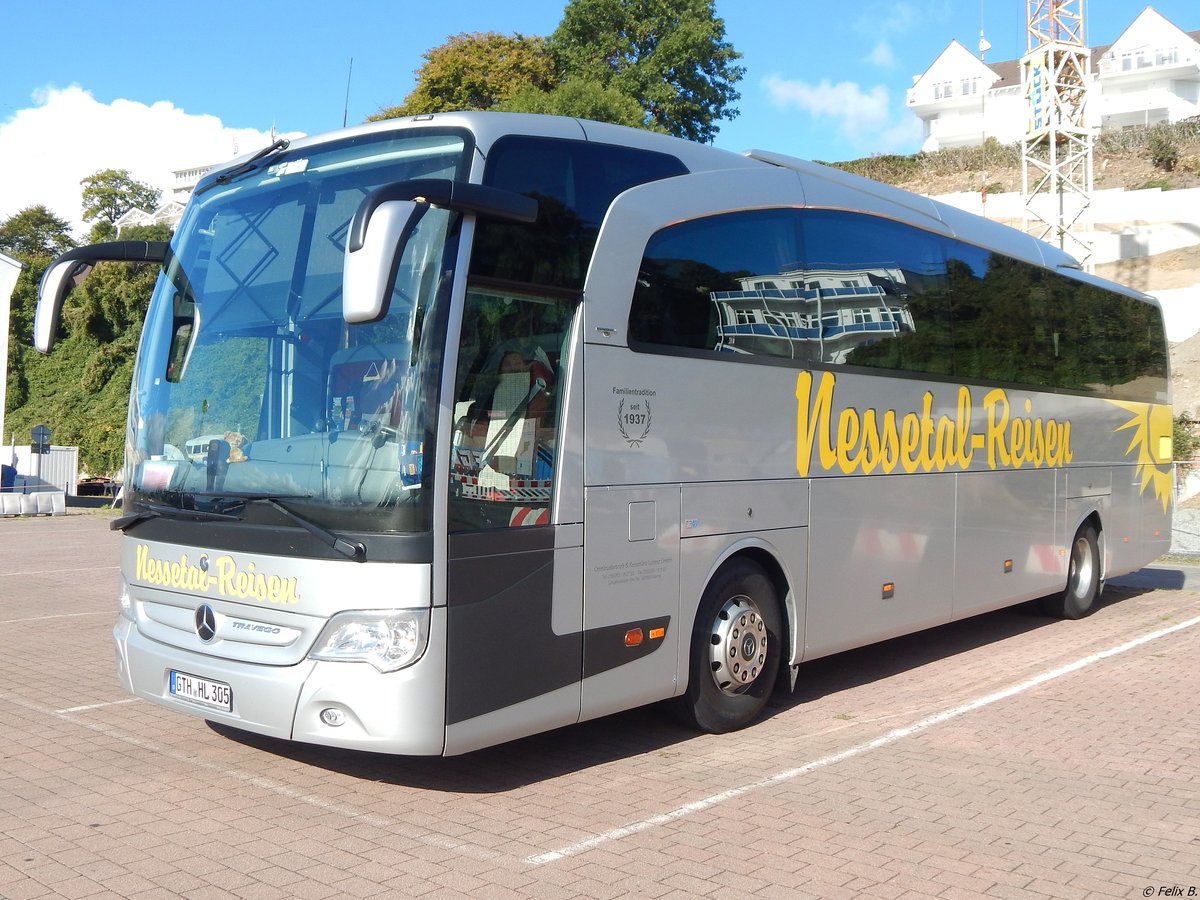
(1184, 440)
(1164, 148)
(895, 169)
(889, 168)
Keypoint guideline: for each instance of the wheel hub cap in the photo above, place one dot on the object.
(739, 645)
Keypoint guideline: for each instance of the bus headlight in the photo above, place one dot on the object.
(124, 601)
(387, 640)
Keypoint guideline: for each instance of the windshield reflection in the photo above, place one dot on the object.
(250, 384)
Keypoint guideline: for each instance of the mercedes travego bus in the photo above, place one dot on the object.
(450, 430)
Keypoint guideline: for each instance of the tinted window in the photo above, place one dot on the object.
(831, 287)
(574, 183)
(1002, 329)
(717, 284)
(813, 286)
(1018, 323)
(893, 307)
(1107, 343)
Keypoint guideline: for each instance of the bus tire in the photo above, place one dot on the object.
(1083, 578)
(737, 643)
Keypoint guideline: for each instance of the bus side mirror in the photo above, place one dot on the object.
(385, 220)
(71, 267)
(57, 280)
(369, 272)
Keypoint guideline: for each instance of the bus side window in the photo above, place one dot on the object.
(574, 183)
(813, 286)
(506, 409)
(886, 283)
(1000, 327)
(723, 284)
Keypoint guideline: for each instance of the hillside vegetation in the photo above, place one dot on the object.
(1162, 156)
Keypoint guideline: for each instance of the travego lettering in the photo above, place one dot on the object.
(221, 576)
(869, 441)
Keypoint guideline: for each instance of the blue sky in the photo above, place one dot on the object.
(153, 87)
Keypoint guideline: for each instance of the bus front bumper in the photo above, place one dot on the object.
(399, 712)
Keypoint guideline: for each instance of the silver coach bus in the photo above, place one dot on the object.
(450, 430)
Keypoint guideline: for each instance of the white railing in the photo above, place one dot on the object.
(1166, 58)
(1139, 102)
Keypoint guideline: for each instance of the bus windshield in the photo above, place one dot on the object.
(249, 383)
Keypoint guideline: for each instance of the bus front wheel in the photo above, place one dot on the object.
(1083, 578)
(737, 642)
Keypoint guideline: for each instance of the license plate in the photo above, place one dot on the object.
(216, 694)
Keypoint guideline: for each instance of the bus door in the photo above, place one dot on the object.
(513, 589)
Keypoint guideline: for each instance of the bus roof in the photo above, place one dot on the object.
(488, 127)
(853, 191)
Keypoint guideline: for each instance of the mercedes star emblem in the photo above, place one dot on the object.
(206, 623)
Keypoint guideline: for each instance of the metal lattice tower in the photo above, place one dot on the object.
(1056, 152)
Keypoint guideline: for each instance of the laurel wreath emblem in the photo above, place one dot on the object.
(633, 441)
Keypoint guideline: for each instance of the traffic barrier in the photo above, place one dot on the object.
(41, 503)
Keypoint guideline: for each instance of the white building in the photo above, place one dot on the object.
(1150, 74)
(166, 214)
(169, 211)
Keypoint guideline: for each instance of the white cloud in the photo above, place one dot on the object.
(67, 135)
(860, 111)
(882, 55)
(864, 115)
(891, 18)
(904, 136)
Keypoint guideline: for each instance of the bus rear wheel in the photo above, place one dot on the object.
(1083, 578)
(737, 643)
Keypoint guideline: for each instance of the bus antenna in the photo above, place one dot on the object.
(346, 106)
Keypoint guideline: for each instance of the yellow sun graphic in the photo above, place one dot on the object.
(1151, 436)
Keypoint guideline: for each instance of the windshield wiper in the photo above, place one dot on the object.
(349, 549)
(162, 510)
(355, 550)
(249, 165)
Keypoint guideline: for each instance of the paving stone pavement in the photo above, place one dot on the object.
(1006, 756)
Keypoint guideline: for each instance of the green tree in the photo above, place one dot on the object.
(33, 232)
(81, 390)
(20, 332)
(476, 71)
(109, 194)
(34, 236)
(671, 56)
(582, 99)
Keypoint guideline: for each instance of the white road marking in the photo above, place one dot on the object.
(106, 612)
(91, 706)
(891, 737)
(413, 833)
(58, 571)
